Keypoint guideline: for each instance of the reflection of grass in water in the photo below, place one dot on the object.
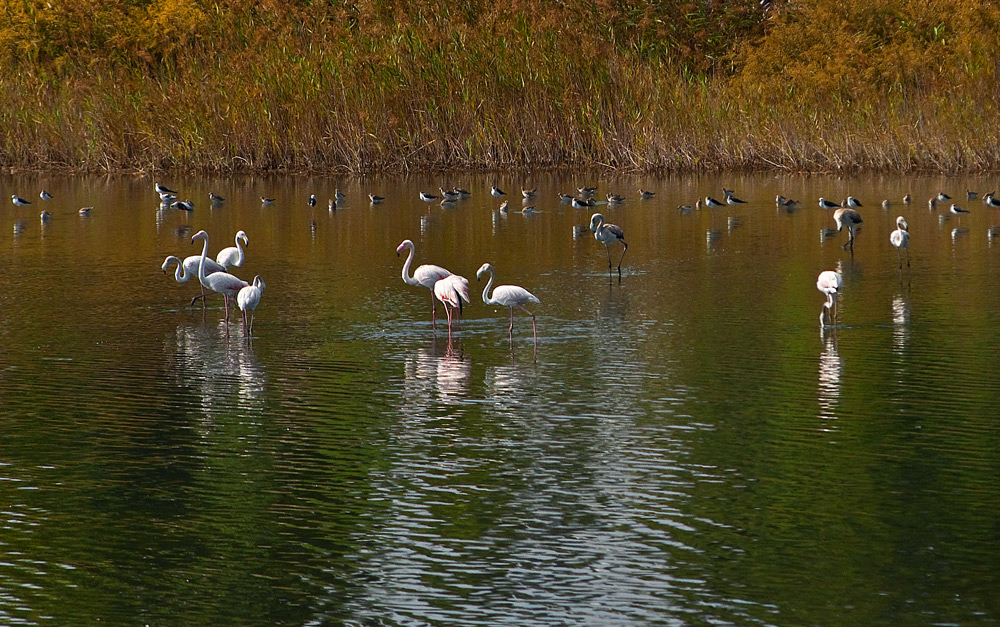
(370, 85)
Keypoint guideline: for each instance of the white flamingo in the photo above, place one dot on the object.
(900, 238)
(249, 298)
(829, 283)
(451, 291)
(221, 282)
(233, 255)
(608, 234)
(509, 296)
(189, 268)
(426, 275)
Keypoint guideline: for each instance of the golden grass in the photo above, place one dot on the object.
(381, 85)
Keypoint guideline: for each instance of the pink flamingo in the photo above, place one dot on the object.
(189, 268)
(425, 275)
(508, 296)
(221, 282)
(451, 291)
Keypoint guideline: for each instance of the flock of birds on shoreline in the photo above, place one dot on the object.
(452, 290)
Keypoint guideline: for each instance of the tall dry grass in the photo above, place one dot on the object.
(376, 84)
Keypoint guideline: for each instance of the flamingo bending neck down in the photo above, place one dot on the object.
(509, 296)
(221, 282)
(451, 291)
(188, 268)
(829, 283)
(233, 255)
(900, 238)
(249, 298)
(426, 275)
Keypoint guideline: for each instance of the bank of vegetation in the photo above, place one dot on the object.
(237, 85)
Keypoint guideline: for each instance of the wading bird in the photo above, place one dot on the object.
(900, 238)
(509, 296)
(451, 291)
(233, 255)
(608, 234)
(249, 298)
(426, 275)
(827, 204)
(163, 189)
(958, 211)
(189, 268)
(497, 192)
(44, 195)
(829, 283)
(850, 218)
(220, 282)
(18, 201)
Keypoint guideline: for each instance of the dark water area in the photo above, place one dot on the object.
(684, 446)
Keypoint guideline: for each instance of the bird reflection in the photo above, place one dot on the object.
(507, 385)
(831, 368)
(223, 373)
(900, 322)
(433, 372)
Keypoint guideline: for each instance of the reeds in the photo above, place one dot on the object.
(379, 85)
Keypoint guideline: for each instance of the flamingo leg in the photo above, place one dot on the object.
(447, 310)
(434, 312)
(907, 259)
(534, 332)
(226, 298)
(510, 329)
(251, 322)
(622, 258)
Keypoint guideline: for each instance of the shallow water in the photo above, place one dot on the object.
(685, 446)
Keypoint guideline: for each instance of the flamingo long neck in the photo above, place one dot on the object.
(180, 274)
(239, 252)
(201, 264)
(489, 284)
(407, 277)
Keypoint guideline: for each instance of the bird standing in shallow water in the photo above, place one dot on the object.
(827, 204)
(900, 238)
(850, 218)
(233, 255)
(18, 201)
(958, 211)
(508, 296)
(425, 275)
(829, 283)
(451, 291)
(249, 298)
(221, 282)
(608, 234)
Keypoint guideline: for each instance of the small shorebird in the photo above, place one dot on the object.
(580, 204)
(608, 234)
(827, 204)
(215, 199)
(162, 189)
(943, 196)
(184, 205)
(266, 201)
(885, 204)
(906, 199)
(530, 209)
(529, 193)
(829, 283)
(44, 195)
(615, 199)
(845, 216)
(853, 202)
(730, 199)
(331, 205)
(900, 238)
(586, 192)
(339, 195)
(970, 195)
(497, 192)
(564, 198)
(312, 200)
(932, 203)
(166, 198)
(424, 196)
(503, 207)
(464, 193)
(85, 211)
(958, 211)
(375, 199)
(712, 203)
(645, 194)
(991, 201)
(448, 194)
(18, 201)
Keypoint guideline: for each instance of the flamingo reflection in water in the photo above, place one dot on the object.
(433, 374)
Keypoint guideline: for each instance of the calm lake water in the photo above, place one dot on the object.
(688, 447)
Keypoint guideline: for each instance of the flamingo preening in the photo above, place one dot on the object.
(249, 298)
(829, 283)
(451, 291)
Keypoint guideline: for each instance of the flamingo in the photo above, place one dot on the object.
(509, 296)
(188, 268)
(850, 218)
(249, 298)
(829, 283)
(608, 234)
(233, 255)
(221, 282)
(425, 275)
(900, 238)
(451, 291)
